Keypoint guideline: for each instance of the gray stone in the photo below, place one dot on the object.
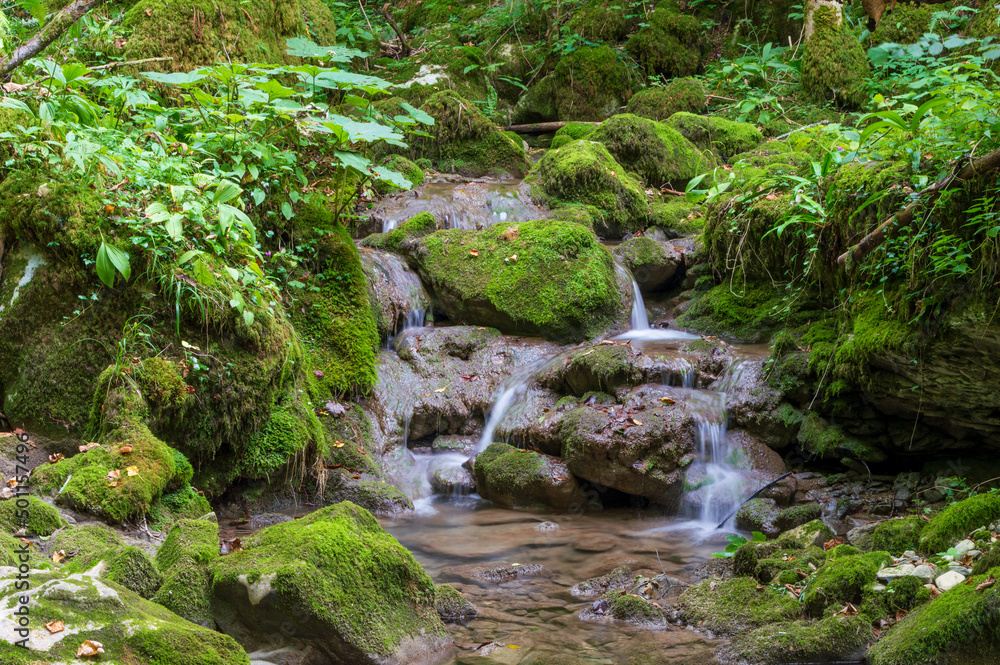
(895, 572)
(964, 547)
(924, 573)
(948, 580)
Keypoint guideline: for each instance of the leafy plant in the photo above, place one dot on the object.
(736, 541)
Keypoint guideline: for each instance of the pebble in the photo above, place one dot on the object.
(546, 526)
(909, 554)
(949, 580)
(964, 547)
(975, 553)
(924, 573)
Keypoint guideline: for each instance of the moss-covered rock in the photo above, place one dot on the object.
(734, 606)
(42, 519)
(206, 32)
(811, 534)
(834, 639)
(744, 314)
(660, 102)
(126, 565)
(653, 264)
(657, 152)
(633, 610)
(759, 515)
(821, 438)
(403, 166)
(841, 580)
(546, 278)
(571, 132)
(959, 520)
(463, 140)
(590, 83)
(184, 558)
(988, 561)
(668, 45)
(452, 606)
(334, 578)
(600, 21)
(725, 137)
(525, 479)
(131, 629)
(834, 64)
(416, 227)
(896, 536)
(961, 625)
(584, 173)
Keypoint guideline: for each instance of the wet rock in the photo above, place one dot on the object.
(628, 609)
(619, 578)
(260, 521)
(184, 560)
(395, 289)
(759, 515)
(451, 443)
(379, 497)
(121, 563)
(653, 264)
(130, 628)
(798, 515)
(758, 408)
(519, 478)
(812, 534)
(835, 639)
(481, 575)
(452, 606)
(321, 580)
(452, 481)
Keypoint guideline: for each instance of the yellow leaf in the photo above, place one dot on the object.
(57, 557)
(666, 400)
(338, 444)
(441, 390)
(474, 252)
(133, 471)
(513, 646)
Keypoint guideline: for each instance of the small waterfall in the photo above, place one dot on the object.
(714, 484)
(639, 319)
(513, 388)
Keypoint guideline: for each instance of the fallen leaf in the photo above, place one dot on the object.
(114, 474)
(666, 400)
(125, 449)
(55, 626)
(189, 390)
(848, 610)
(468, 377)
(114, 483)
(830, 544)
(133, 471)
(57, 557)
(356, 477)
(441, 390)
(230, 546)
(55, 457)
(474, 252)
(636, 422)
(338, 444)
(990, 581)
(12, 482)
(318, 374)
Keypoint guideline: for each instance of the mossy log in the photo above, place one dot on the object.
(544, 127)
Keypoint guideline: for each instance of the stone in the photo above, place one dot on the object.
(453, 481)
(924, 573)
(891, 573)
(813, 534)
(964, 547)
(949, 580)
(759, 515)
(512, 477)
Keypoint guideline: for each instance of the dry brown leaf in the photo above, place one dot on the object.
(89, 648)
(55, 627)
(666, 400)
(114, 474)
(441, 390)
(830, 544)
(189, 389)
(990, 581)
(12, 482)
(57, 557)
(114, 483)
(338, 444)
(848, 610)
(636, 422)
(473, 252)
(125, 449)
(88, 446)
(55, 457)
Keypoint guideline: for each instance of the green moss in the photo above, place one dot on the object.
(840, 580)
(161, 383)
(42, 519)
(451, 605)
(987, 21)
(336, 324)
(676, 216)
(185, 503)
(834, 65)
(829, 640)
(748, 314)
(669, 44)
(335, 571)
(406, 168)
(734, 606)
(958, 520)
(590, 83)
(584, 172)
(570, 132)
(905, 24)
(463, 140)
(661, 102)
(725, 137)
(415, 227)
(184, 558)
(897, 536)
(819, 437)
(905, 593)
(561, 285)
(126, 565)
(657, 152)
(518, 478)
(197, 539)
(782, 561)
(798, 515)
(962, 625)
(633, 609)
(811, 534)
(205, 32)
(988, 561)
(600, 21)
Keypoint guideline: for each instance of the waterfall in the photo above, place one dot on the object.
(640, 322)
(639, 319)
(513, 388)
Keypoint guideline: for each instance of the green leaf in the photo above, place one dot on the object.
(110, 259)
(305, 48)
(175, 226)
(248, 317)
(17, 105)
(188, 255)
(417, 114)
(286, 210)
(226, 192)
(388, 175)
(183, 79)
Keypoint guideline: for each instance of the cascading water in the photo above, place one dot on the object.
(639, 319)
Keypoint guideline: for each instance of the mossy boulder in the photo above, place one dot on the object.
(822, 438)
(810, 534)
(835, 639)
(545, 278)
(333, 578)
(660, 102)
(725, 137)
(590, 83)
(583, 173)
(42, 519)
(633, 610)
(416, 227)
(657, 152)
(595, 371)
(896, 536)
(834, 64)
(747, 313)
(400, 164)
(654, 265)
(668, 45)
(452, 606)
(518, 478)
(130, 628)
(959, 520)
(961, 625)
(126, 565)
(841, 580)
(197, 33)
(571, 132)
(734, 606)
(600, 21)
(463, 140)
(759, 515)
(183, 559)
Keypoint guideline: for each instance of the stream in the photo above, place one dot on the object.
(456, 535)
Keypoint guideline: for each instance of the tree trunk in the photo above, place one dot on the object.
(59, 24)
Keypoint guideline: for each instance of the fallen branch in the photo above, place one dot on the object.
(59, 24)
(114, 65)
(542, 127)
(752, 496)
(387, 14)
(799, 129)
(984, 164)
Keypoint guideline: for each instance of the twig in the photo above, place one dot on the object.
(59, 24)
(387, 14)
(752, 496)
(815, 124)
(113, 65)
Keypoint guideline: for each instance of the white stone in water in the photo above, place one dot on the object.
(924, 573)
(949, 580)
(965, 547)
(895, 572)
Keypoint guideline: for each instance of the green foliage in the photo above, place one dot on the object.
(736, 541)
